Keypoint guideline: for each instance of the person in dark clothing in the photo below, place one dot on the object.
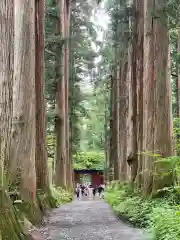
(100, 189)
(78, 192)
(94, 191)
(83, 190)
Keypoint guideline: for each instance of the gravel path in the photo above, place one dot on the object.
(86, 220)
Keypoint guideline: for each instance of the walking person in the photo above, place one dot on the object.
(78, 192)
(87, 191)
(94, 192)
(82, 190)
(100, 190)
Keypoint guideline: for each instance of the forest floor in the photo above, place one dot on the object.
(85, 220)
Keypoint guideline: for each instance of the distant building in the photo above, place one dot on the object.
(89, 176)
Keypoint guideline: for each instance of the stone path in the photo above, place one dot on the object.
(86, 220)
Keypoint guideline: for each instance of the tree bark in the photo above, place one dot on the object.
(163, 95)
(67, 8)
(139, 76)
(116, 123)
(134, 158)
(111, 127)
(123, 115)
(60, 121)
(6, 87)
(41, 151)
(157, 129)
(24, 138)
(178, 80)
(63, 87)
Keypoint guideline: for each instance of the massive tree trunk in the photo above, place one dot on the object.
(163, 93)
(123, 86)
(64, 165)
(139, 76)
(9, 226)
(133, 158)
(123, 116)
(24, 97)
(157, 129)
(67, 14)
(6, 84)
(41, 152)
(60, 120)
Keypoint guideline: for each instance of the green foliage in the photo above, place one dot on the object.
(176, 131)
(61, 196)
(15, 213)
(129, 205)
(82, 56)
(88, 160)
(160, 215)
(93, 131)
(165, 223)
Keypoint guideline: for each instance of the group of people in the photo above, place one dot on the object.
(86, 190)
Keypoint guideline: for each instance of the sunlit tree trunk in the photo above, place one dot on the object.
(24, 134)
(41, 154)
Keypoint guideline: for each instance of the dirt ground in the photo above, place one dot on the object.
(85, 220)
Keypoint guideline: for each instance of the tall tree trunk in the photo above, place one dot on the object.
(9, 226)
(24, 97)
(178, 80)
(60, 155)
(41, 152)
(6, 87)
(116, 123)
(106, 168)
(66, 165)
(163, 94)
(60, 121)
(111, 128)
(133, 158)
(157, 129)
(123, 94)
(67, 14)
(123, 115)
(139, 76)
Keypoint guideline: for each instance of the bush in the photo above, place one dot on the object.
(61, 196)
(165, 223)
(158, 215)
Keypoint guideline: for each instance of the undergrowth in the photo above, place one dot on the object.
(15, 213)
(160, 216)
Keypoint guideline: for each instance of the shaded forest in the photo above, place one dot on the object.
(90, 84)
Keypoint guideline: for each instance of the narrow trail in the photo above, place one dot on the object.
(86, 220)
